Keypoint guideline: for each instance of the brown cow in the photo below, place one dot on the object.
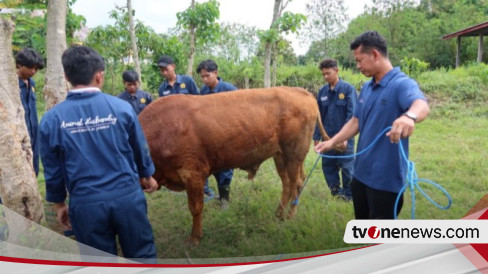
(192, 137)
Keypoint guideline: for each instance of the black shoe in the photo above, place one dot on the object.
(224, 192)
(335, 190)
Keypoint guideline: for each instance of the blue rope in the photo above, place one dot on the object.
(411, 178)
(296, 201)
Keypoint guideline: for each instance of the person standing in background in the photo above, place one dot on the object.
(28, 62)
(208, 71)
(337, 101)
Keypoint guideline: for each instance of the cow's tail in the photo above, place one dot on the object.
(324, 135)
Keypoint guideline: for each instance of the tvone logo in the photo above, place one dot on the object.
(373, 232)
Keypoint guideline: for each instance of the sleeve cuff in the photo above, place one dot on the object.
(56, 198)
(147, 172)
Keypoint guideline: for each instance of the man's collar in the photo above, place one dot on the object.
(85, 89)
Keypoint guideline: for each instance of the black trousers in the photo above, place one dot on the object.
(370, 203)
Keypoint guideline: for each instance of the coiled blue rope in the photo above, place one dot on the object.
(412, 179)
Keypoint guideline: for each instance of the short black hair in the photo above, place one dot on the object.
(130, 76)
(208, 65)
(328, 63)
(80, 64)
(165, 61)
(30, 58)
(370, 40)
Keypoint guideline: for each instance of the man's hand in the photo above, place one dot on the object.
(148, 184)
(324, 146)
(341, 147)
(62, 215)
(402, 128)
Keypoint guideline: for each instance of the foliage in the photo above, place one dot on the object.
(413, 31)
(31, 20)
(413, 66)
(29, 32)
(326, 18)
(203, 19)
(236, 43)
(288, 23)
(112, 42)
(451, 91)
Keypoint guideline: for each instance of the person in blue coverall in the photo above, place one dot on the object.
(174, 83)
(28, 62)
(137, 98)
(208, 71)
(337, 101)
(393, 99)
(93, 148)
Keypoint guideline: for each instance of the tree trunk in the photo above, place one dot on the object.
(246, 82)
(189, 70)
(56, 86)
(277, 10)
(135, 50)
(267, 65)
(18, 184)
(275, 64)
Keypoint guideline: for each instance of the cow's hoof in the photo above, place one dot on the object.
(191, 241)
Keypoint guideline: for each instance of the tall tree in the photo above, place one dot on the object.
(281, 22)
(113, 42)
(133, 39)
(272, 37)
(326, 18)
(18, 184)
(55, 87)
(200, 20)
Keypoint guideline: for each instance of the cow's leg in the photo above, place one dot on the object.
(296, 175)
(285, 181)
(194, 190)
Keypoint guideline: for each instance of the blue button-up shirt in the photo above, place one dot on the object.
(28, 98)
(92, 146)
(220, 87)
(336, 108)
(184, 85)
(138, 101)
(382, 167)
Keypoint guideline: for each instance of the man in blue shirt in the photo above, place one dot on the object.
(208, 71)
(393, 99)
(174, 83)
(93, 147)
(28, 62)
(137, 98)
(337, 101)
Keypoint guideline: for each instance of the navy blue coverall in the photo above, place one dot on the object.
(28, 99)
(93, 147)
(337, 108)
(184, 85)
(138, 101)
